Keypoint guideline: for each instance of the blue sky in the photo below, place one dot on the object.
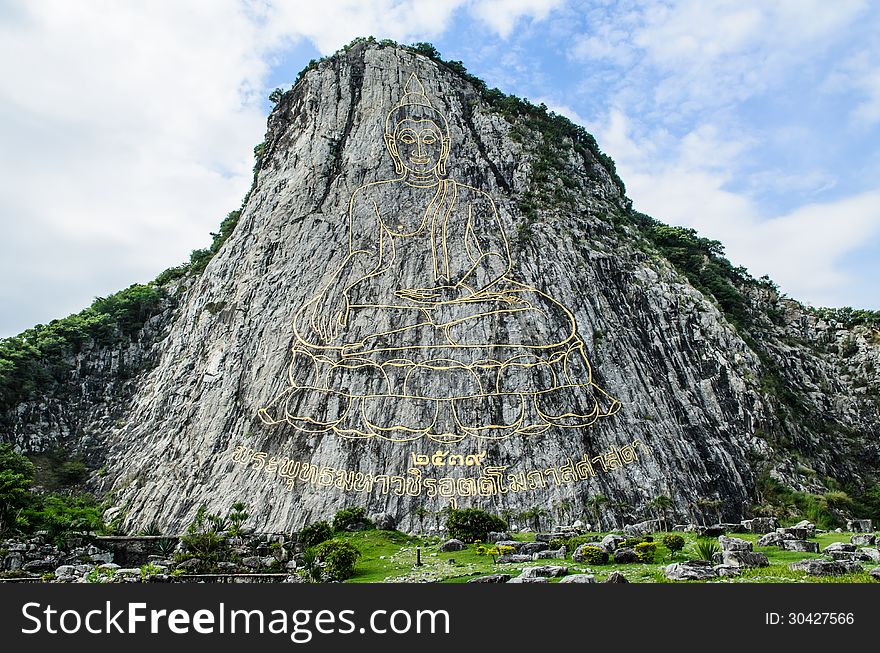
(128, 128)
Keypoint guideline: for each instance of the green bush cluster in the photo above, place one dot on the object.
(594, 555)
(315, 533)
(633, 542)
(674, 542)
(472, 524)
(645, 551)
(351, 519)
(339, 559)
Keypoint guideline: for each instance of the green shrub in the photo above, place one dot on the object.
(351, 519)
(315, 533)
(706, 548)
(645, 551)
(205, 541)
(472, 524)
(16, 476)
(572, 543)
(632, 542)
(149, 570)
(673, 542)
(557, 542)
(593, 555)
(339, 559)
(61, 515)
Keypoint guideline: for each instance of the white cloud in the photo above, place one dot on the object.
(127, 127)
(803, 250)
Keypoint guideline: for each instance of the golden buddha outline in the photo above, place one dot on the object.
(466, 351)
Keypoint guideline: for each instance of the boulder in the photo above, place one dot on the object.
(715, 530)
(870, 553)
(39, 566)
(452, 545)
(733, 544)
(544, 571)
(579, 578)
(513, 558)
(529, 548)
(808, 526)
(839, 546)
(799, 545)
(793, 532)
(868, 539)
(611, 541)
(761, 524)
(691, 570)
(727, 571)
(625, 556)
(771, 539)
(742, 559)
(516, 545)
(642, 528)
(251, 562)
(127, 575)
(617, 577)
(13, 561)
(68, 573)
(523, 579)
(494, 537)
(190, 565)
(849, 556)
(825, 567)
(578, 555)
(491, 578)
(551, 554)
(384, 521)
(546, 537)
(859, 525)
(875, 573)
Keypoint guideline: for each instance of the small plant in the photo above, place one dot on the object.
(149, 570)
(706, 548)
(205, 541)
(237, 517)
(311, 565)
(166, 546)
(493, 551)
(351, 519)
(98, 575)
(48, 577)
(339, 559)
(673, 542)
(645, 552)
(315, 533)
(150, 529)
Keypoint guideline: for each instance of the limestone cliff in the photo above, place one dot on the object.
(707, 402)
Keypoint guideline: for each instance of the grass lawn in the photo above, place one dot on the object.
(390, 556)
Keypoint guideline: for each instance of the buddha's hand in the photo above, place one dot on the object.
(330, 315)
(437, 295)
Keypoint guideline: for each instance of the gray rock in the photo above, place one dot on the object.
(495, 537)
(551, 554)
(251, 562)
(611, 541)
(799, 545)
(38, 566)
(546, 537)
(190, 566)
(839, 546)
(452, 545)
(816, 567)
(544, 571)
(733, 544)
(761, 524)
(616, 577)
(384, 521)
(579, 578)
(512, 543)
(13, 561)
(867, 539)
(690, 570)
(771, 539)
(513, 558)
(109, 566)
(530, 548)
(491, 578)
(524, 579)
(875, 573)
(625, 556)
(728, 571)
(739, 558)
(859, 525)
(578, 555)
(66, 573)
(642, 528)
(870, 553)
(794, 532)
(808, 526)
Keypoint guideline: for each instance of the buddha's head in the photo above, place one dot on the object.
(417, 135)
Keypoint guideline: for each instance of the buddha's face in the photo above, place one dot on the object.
(419, 145)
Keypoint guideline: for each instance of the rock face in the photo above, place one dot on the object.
(680, 391)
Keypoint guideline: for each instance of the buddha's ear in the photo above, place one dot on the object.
(391, 144)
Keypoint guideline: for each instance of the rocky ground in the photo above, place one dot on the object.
(754, 551)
